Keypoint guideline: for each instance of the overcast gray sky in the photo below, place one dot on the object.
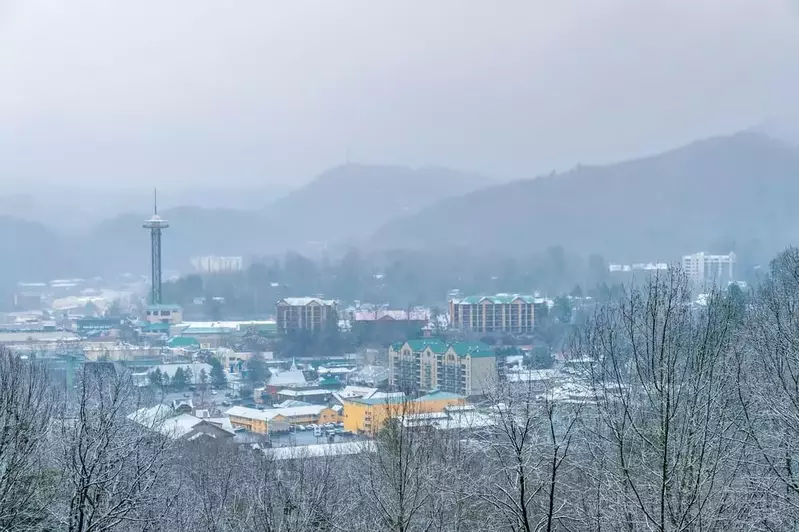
(210, 91)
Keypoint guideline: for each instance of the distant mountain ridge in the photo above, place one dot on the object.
(32, 251)
(345, 203)
(736, 188)
(354, 200)
(739, 187)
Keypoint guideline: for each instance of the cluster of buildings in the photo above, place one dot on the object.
(351, 412)
(351, 415)
(702, 269)
(419, 380)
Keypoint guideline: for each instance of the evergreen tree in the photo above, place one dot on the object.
(562, 310)
(541, 357)
(257, 371)
(218, 377)
(179, 380)
(156, 377)
(189, 375)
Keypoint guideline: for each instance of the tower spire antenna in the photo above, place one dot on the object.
(156, 225)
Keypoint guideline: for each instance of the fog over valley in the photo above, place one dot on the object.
(399, 266)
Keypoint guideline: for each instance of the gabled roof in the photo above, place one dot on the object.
(498, 299)
(437, 346)
(293, 377)
(462, 349)
(303, 301)
(162, 419)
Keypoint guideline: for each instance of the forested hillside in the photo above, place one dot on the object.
(700, 197)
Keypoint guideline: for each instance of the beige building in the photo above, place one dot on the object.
(167, 314)
(502, 313)
(464, 368)
(304, 314)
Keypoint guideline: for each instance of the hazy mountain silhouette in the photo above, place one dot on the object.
(345, 202)
(354, 200)
(193, 231)
(736, 188)
(784, 128)
(33, 252)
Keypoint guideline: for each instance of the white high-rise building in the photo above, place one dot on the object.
(703, 268)
(213, 264)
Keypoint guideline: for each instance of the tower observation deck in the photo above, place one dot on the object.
(155, 224)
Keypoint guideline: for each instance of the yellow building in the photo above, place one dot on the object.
(251, 419)
(279, 419)
(367, 416)
(464, 368)
(307, 415)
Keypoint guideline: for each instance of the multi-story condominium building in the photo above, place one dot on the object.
(705, 269)
(304, 314)
(502, 313)
(465, 368)
(214, 264)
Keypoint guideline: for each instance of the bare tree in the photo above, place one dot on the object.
(302, 492)
(769, 390)
(397, 483)
(111, 462)
(525, 454)
(26, 415)
(456, 468)
(662, 372)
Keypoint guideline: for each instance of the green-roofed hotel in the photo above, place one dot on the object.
(502, 313)
(463, 368)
